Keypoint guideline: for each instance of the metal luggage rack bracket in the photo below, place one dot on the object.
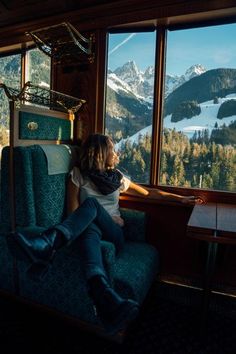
(42, 96)
(64, 44)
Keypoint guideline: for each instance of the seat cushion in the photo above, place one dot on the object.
(135, 269)
(63, 288)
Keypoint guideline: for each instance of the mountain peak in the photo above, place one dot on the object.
(129, 69)
(194, 70)
(141, 83)
(149, 72)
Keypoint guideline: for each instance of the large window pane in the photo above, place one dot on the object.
(129, 100)
(199, 118)
(10, 75)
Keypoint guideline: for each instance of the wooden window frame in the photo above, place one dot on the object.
(209, 195)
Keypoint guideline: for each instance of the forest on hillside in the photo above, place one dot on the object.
(199, 162)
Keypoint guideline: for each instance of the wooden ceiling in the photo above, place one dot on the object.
(13, 12)
(20, 16)
(16, 12)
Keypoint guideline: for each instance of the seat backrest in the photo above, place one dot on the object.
(49, 190)
(24, 201)
(40, 194)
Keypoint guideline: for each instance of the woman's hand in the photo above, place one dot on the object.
(118, 220)
(192, 200)
(188, 200)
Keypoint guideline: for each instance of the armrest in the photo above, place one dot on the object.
(135, 224)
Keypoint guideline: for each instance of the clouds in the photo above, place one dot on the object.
(224, 56)
(138, 47)
(121, 43)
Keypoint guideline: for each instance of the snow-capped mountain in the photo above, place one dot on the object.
(129, 73)
(130, 79)
(116, 84)
(174, 81)
(193, 71)
(140, 83)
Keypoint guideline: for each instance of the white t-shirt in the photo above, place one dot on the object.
(87, 188)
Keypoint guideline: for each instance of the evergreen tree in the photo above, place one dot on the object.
(198, 162)
(207, 181)
(179, 170)
(215, 175)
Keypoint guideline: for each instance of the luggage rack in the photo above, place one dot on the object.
(42, 96)
(64, 43)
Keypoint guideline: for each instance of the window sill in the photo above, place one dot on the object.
(207, 195)
(151, 201)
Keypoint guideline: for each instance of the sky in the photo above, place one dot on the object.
(213, 47)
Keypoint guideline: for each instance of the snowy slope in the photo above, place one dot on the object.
(205, 120)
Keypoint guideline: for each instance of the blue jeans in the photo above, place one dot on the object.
(92, 223)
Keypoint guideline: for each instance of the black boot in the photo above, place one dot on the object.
(114, 312)
(39, 249)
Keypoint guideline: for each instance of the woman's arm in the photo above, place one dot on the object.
(137, 190)
(72, 197)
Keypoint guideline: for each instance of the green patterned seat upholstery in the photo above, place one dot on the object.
(40, 203)
(49, 190)
(25, 204)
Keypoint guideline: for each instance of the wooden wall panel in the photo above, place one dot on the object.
(80, 83)
(85, 81)
(183, 259)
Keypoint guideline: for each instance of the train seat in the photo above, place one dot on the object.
(40, 199)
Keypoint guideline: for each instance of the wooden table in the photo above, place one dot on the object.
(214, 223)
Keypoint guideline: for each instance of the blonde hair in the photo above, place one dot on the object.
(94, 153)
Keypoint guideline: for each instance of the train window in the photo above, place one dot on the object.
(199, 114)
(129, 100)
(198, 122)
(37, 70)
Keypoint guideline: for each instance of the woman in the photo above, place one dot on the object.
(93, 216)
